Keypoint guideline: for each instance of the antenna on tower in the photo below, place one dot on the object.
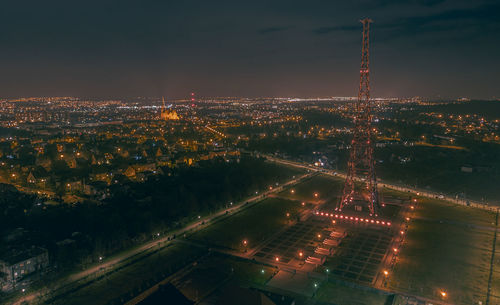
(360, 188)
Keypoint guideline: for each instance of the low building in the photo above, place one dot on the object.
(16, 265)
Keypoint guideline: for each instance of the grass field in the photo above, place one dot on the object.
(216, 270)
(339, 294)
(254, 224)
(447, 211)
(448, 248)
(325, 186)
(444, 257)
(143, 273)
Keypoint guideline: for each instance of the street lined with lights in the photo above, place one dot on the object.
(107, 266)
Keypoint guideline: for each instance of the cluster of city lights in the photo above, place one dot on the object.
(353, 218)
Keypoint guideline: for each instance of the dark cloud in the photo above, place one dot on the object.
(250, 48)
(481, 20)
(328, 29)
(273, 29)
(387, 3)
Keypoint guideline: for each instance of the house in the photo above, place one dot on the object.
(100, 176)
(123, 153)
(159, 153)
(130, 172)
(145, 167)
(71, 162)
(31, 178)
(16, 265)
(74, 186)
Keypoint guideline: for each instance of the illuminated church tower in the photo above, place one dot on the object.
(167, 113)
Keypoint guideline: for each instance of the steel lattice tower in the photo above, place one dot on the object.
(360, 187)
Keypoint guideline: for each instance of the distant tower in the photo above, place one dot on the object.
(163, 112)
(360, 189)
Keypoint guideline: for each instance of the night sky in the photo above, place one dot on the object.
(429, 48)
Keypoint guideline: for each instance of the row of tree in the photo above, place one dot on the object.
(135, 211)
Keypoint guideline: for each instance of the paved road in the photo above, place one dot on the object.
(382, 183)
(109, 264)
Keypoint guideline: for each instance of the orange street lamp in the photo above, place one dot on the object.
(386, 273)
(443, 294)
